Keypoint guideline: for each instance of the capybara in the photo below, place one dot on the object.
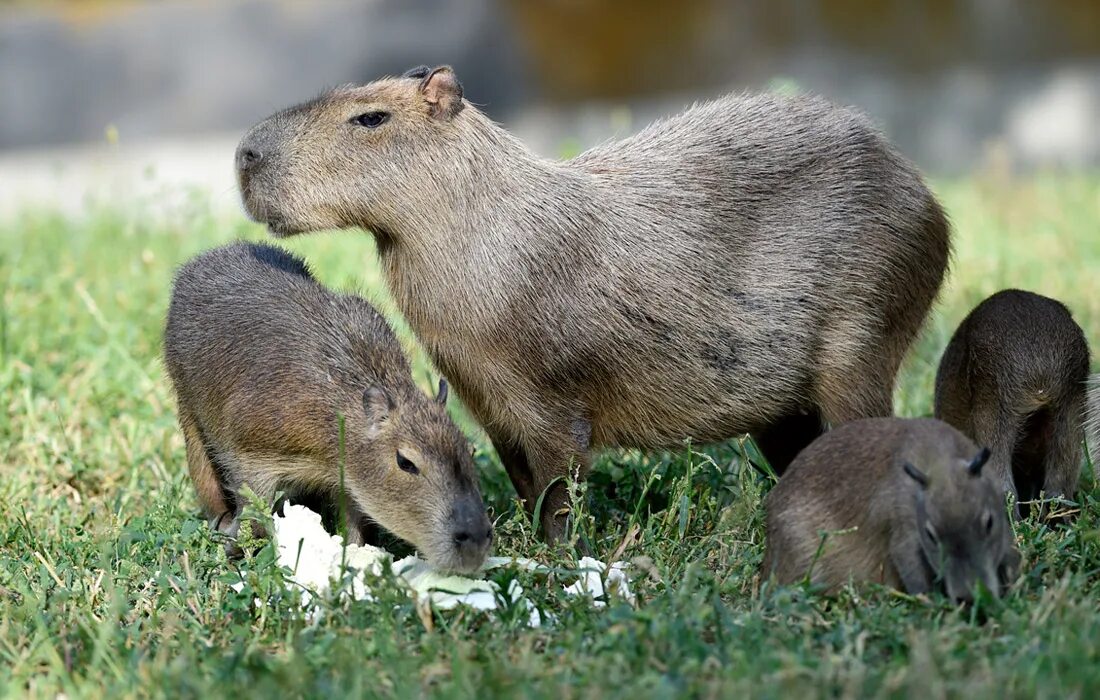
(1013, 378)
(757, 264)
(902, 502)
(265, 361)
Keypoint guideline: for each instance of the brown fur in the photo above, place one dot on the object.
(852, 486)
(756, 264)
(1013, 378)
(265, 360)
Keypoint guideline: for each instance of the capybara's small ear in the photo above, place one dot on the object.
(442, 92)
(441, 397)
(976, 464)
(377, 404)
(420, 72)
(916, 474)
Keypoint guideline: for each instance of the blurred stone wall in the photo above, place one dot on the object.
(954, 82)
(951, 81)
(67, 70)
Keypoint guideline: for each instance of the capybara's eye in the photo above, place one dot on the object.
(988, 523)
(371, 120)
(406, 464)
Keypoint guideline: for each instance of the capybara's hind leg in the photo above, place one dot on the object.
(853, 393)
(784, 438)
(212, 496)
(998, 430)
(1064, 456)
(856, 376)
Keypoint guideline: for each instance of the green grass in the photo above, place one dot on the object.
(111, 586)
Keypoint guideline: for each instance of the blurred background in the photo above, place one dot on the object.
(102, 99)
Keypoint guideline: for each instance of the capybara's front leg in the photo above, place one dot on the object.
(539, 467)
(229, 523)
(554, 461)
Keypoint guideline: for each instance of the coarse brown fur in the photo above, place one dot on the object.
(1013, 378)
(756, 264)
(938, 523)
(265, 361)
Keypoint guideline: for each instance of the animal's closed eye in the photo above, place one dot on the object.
(371, 120)
(406, 465)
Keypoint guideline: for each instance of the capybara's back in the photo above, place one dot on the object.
(752, 275)
(1013, 378)
(253, 339)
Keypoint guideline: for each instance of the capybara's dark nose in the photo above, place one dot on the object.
(472, 532)
(248, 156)
(473, 539)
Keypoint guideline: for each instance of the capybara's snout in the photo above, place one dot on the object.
(256, 146)
(471, 534)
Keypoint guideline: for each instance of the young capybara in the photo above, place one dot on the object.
(756, 264)
(265, 361)
(1013, 378)
(902, 502)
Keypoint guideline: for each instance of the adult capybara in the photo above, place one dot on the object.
(756, 264)
(265, 362)
(1013, 378)
(902, 502)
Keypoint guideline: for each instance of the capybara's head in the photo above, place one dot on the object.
(963, 527)
(409, 468)
(357, 155)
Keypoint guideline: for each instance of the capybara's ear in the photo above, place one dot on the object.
(441, 397)
(442, 92)
(976, 464)
(915, 474)
(377, 405)
(420, 72)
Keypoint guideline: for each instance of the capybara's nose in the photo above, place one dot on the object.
(473, 539)
(248, 155)
(472, 533)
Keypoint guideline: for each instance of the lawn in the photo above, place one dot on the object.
(111, 585)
